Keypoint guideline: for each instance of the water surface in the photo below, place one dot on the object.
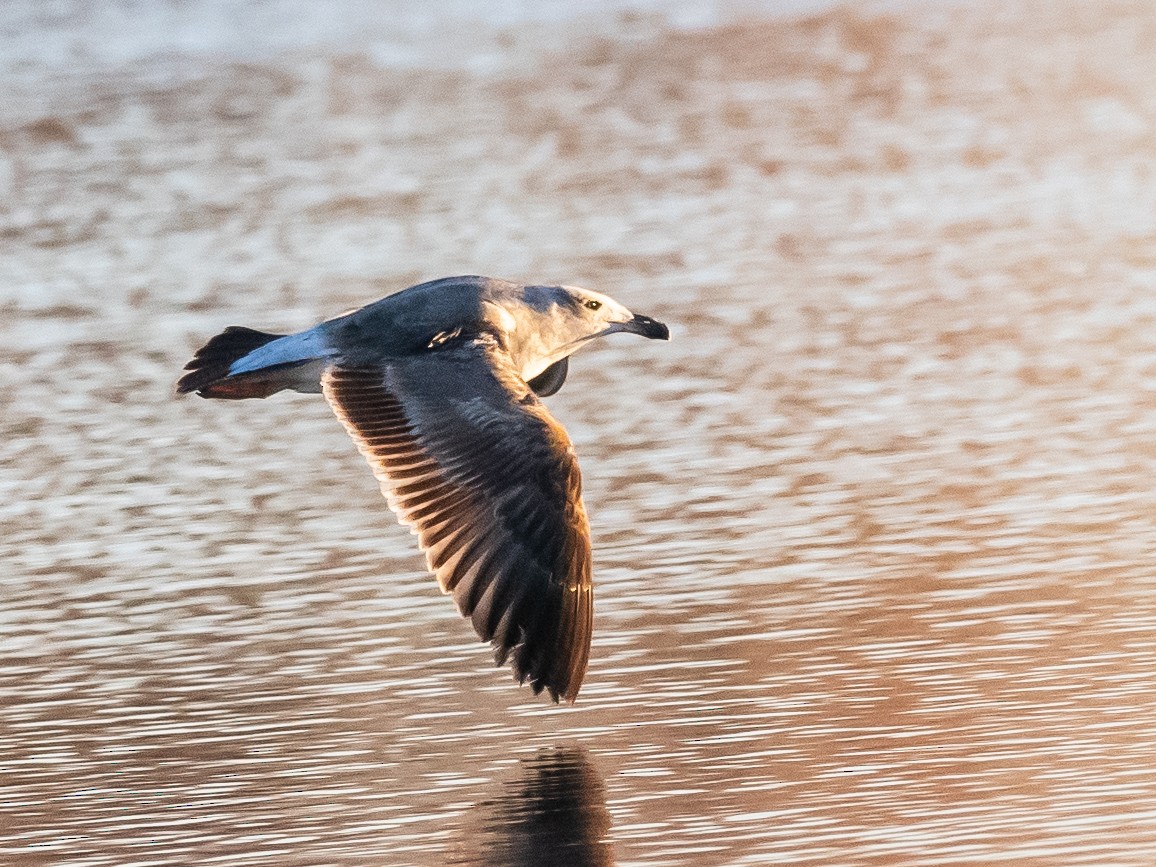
(874, 534)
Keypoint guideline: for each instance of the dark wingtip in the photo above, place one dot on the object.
(555, 646)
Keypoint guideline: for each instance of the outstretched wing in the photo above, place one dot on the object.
(472, 461)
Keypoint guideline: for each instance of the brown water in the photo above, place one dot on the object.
(874, 534)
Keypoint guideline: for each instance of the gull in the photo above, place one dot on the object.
(439, 387)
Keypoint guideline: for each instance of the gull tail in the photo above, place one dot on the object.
(241, 363)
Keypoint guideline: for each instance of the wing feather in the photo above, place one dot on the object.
(472, 461)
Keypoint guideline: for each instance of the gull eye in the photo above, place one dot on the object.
(591, 304)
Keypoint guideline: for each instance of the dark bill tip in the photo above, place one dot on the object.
(648, 327)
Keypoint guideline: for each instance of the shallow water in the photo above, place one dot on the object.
(873, 534)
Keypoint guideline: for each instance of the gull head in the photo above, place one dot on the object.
(545, 324)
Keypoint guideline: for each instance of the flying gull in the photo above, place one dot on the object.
(438, 385)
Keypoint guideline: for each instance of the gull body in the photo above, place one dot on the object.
(438, 385)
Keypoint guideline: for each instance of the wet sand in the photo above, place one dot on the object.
(874, 534)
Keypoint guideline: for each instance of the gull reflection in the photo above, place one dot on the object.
(553, 813)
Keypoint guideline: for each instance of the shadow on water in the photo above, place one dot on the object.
(554, 812)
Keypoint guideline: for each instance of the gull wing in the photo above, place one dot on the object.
(470, 459)
(551, 379)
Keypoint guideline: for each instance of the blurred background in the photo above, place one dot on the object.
(873, 534)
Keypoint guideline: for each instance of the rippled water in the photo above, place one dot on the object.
(874, 534)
